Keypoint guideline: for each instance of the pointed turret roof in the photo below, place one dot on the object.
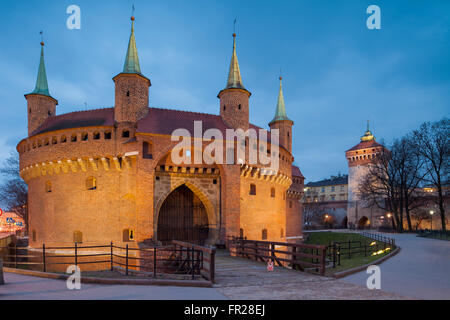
(280, 113)
(234, 75)
(41, 82)
(368, 136)
(132, 60)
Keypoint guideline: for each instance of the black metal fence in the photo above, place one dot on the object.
(434, 234)
(374, 245)
(179, 258)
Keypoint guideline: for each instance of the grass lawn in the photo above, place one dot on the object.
(357, 257)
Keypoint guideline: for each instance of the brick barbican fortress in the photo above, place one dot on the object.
(107, 175)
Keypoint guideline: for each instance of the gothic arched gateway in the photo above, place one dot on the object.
(183, 217)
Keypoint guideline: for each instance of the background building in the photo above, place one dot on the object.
(325, 202)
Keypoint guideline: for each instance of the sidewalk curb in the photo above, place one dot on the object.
(153, 282)
(345, 273)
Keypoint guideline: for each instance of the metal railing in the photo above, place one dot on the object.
(179, 258)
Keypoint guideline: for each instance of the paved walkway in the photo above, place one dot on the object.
(243, 279)
(421, 269)
(20, 287)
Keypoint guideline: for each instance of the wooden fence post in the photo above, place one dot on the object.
(126, 261)
(212, 265)
(349, 250)
(154, 260)
(43, 257)
(111, 259)
(322, 262)
(76, 254)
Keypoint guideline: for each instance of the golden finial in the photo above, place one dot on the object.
(132, 13)
(42, 37)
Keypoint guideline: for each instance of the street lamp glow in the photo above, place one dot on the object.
(431, 212)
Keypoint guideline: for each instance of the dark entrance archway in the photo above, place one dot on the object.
(364, 223)
(183, 217)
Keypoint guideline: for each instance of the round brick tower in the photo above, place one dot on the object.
(359, 159)
(234, 99)
(41, 105)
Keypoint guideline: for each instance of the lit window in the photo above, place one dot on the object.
(78, 237)
(48, 187)
(128, 235)
(91, 183)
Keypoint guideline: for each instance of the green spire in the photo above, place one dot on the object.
(280, 114)
(41, 82)
(132, 60)
(234, 75)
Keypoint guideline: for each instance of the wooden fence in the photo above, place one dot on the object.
(295, 255)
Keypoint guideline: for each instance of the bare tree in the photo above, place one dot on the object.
(432, 141)
(380, 187)
(410, 172)
(420, 214)
(14, 191)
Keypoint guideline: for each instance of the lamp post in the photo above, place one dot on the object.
(431, 218)
(326, 222)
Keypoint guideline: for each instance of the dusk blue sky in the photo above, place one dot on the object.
(337, 73)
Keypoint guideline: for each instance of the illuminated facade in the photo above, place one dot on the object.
(107, 175)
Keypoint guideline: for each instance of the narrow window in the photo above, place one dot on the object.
(48, 187)
(54, 140)
(128, 235)
(157, 178)
(224, 107)
(107, 135)
(78, 237)
(241, 233)
(214, 181)
(128, 93)
(84, 136)
(30, 110)
(49, 113)
(272, 192)
(147, 152)
(282, 233)
(74, 138)
(46, 142)
(34, 235)
(96, 136)
(240, 107)
(252, 189)
(91, 183)
(264, 234)
(63, 139)
(125, 134)
(290, 204)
